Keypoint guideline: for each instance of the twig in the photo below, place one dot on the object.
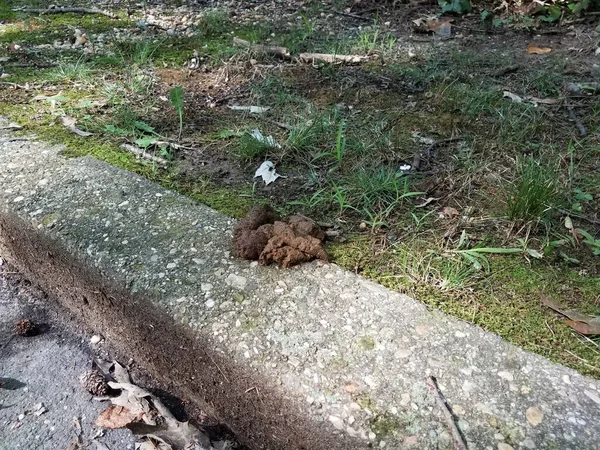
(19, 86)
(580, 127)
(285, 126)
(13, 139)
(579, 216)
(459, 442)
(66, 10)
(142, 154)
(215, 363)
(354, 16)
(506, 70)
(280, 52)
(331, 58)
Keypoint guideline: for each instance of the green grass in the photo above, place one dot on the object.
(533, 192)
(351, 130)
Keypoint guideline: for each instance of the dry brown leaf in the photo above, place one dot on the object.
(587, 328)
(115, 417)
(582, 323)
(533, 50)
(449, 211)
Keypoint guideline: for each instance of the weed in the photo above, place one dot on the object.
(138, 51)
(176, 99)
(249, 148)
(214, 23)
(531, 194)
(78, 71)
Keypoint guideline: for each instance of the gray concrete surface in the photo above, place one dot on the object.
(45, 369)
(353, 355)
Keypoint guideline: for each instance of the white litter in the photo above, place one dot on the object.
(269, 140)
(251, 109)
(267, 172)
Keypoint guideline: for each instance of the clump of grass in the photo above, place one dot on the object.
(532, 193)
(214, 23)
(249, 148)
(139, 51)
(77, 71)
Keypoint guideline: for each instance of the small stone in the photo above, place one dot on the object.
(403, 353)
(171, 265)
(593, 396)
(468, 386)
(405, 399)
(566, 379)
(236, 281)
(534, 416)
(499, 437)
(460, 334)
(528, 443)
(505, 446)
(205, 287)
(382, 444)
(337, 422)
(95, 339)
(372, 436)
(19, 199)
(21, 416)
(506, 375)
(209, 303)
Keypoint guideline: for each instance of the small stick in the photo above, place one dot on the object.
(15, 85)
(280, 52)
(580, 127)
(66, 10)
(142, 154)
(354, 16)
(579, 216)
(215, 363)
(459, 442)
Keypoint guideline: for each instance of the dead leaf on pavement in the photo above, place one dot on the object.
(69, 123)
(75, 444)
(115, 417)
(146, 416)
(441, 27)
(533, 50)
(583, 323)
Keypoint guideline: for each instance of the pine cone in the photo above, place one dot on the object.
(94, 383)
(26, 327)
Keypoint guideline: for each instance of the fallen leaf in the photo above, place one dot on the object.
(513, 97)
(441, 27)
(267, 172)
(69, 123)
(115, 417)
(583, 323)
(533, 50)
(568, 223)
(449, 211)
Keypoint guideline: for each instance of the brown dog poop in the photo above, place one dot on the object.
(262, 236)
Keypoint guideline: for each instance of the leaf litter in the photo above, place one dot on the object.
(584, 324)
(146, 416)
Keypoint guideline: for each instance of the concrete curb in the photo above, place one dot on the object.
(314, 357)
